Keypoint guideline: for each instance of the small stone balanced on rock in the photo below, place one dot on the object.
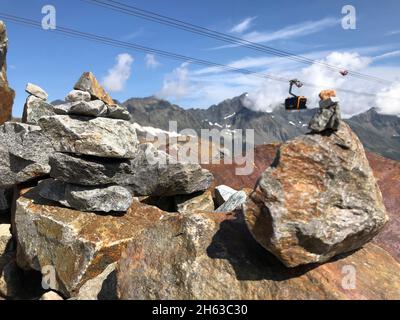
(318, 199)
(328, 115)
(99, 165)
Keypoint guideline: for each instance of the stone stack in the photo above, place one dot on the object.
(98, 164)
(91, 131)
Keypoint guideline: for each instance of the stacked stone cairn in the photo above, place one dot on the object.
(98, 164)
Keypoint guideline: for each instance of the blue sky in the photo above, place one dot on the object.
(310, 28)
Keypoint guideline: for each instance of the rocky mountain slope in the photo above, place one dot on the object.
(379, 133)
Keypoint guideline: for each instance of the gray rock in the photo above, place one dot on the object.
(90, 171)
(319, 199)
(95, 108)
(102, 137)
(63, 108)
(223, 193)
(36, 108)
(155, 173)
(24, 153)
(101, 199)
(147, 174)
(118, 112)
(327, 117)
(36, 91)
(78, 95)
(234, 202)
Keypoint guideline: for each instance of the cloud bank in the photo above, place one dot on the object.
(206, 86)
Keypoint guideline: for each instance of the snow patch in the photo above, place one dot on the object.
(230, 116)
(155, 131)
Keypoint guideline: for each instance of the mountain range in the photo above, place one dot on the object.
(378, 132)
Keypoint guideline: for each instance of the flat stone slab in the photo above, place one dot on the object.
(99, 199)
(101, 137)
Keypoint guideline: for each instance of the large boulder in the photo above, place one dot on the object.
(88, 82)
(6, 93)
(318, 199)
(102, 137)
(213, 256)
(149, 173)
(78, 245)
(24, 153)
(100, 198)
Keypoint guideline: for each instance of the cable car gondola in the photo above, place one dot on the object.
(295, 102)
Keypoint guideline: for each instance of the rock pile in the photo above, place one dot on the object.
(98, 164)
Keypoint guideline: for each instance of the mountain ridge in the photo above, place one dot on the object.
(378, 132)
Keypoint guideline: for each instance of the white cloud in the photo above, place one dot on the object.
(392, 33)
(292, 31)
(177, 84)
(133, 35)
(388, 100)
(242, 26)
(391, 54)
(119, 73)
(151, 61)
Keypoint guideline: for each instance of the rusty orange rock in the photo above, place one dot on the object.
(88, 82)
(78, 245)
(326, 94)
(7, 94)
(213, 256)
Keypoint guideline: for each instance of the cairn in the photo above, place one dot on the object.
(99, 164)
